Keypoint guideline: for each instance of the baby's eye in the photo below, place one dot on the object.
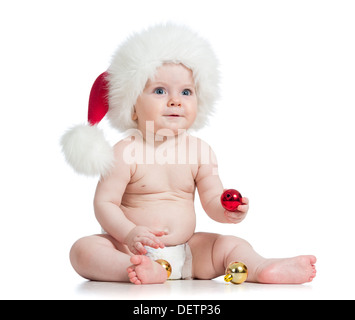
(159, 91)
(186, 92)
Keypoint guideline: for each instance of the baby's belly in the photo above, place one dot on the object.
(176, 218)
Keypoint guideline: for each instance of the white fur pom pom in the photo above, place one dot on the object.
(87, 151)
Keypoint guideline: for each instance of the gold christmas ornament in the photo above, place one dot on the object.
(166, 265)
(236, 272)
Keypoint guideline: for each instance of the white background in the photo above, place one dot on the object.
(283, 134)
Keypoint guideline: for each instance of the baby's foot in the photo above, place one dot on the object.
(145, 271)
(295, 270)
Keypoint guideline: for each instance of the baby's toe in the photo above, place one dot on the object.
(133, 277)
(135, 280)
(137, 259)
(313, 274)
(313, 260)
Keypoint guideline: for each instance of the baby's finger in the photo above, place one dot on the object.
(140, 248)
(153, 239)
(233, 217)
(159, 243)
(234, 220)
(243, 208)
(152, 242)
(158, 233)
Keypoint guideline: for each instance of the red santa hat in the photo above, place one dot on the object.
(115, 91)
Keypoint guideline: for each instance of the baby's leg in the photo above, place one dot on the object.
(101, 258)
(212, 253)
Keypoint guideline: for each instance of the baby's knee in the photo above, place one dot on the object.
(229, 243)
(79, 254)
(227, 248)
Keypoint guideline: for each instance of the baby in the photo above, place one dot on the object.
(144, 200)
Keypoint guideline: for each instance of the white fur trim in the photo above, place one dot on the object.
(87, 151)
(137, 60)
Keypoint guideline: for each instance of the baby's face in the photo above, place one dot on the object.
(169, 100)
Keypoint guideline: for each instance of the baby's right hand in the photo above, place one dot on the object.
(143, 236)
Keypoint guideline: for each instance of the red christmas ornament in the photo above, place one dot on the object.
(231, 199)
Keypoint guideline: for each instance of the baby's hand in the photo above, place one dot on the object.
(238, 216)
(141, 236)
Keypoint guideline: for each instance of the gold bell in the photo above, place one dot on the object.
(166, 265)
(236, 272)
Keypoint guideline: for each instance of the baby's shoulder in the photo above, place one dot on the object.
(201, 145)
(201, 150)
(122, 151)
(121, 145)
(132, 139)
(197, 141)
(119, 150)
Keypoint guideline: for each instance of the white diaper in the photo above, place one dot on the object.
(179, 257)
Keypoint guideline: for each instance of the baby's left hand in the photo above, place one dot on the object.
(239, 215)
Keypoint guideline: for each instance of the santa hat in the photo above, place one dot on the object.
(115, 91)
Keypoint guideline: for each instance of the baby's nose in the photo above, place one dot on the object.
(174, 102)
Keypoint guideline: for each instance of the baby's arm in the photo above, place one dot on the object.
(107, 201)
(210, 189)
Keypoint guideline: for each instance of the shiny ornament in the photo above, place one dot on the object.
(236, 272)
(166, 265)
(231, 199)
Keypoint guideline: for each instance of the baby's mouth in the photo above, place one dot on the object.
(173, 115)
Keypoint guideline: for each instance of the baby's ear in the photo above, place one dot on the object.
(134, 115)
